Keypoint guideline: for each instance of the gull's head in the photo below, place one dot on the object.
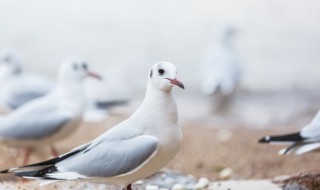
(75, 69)
(10, 62)
(163, 76)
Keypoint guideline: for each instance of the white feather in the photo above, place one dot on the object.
(306, 148)
(66, 175)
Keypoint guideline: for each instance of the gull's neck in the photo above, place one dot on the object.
(71, 95)
(158, 105)
(155, 96)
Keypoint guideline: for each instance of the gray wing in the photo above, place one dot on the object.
(17, 100)
(109, 159)
(24, 88)
(33, 123)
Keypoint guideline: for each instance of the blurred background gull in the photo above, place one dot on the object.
(221, 70)
(18, 86)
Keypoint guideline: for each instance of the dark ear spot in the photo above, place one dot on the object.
(75, 66)
(151, 73)
(85, 66)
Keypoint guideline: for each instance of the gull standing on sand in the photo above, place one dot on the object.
(18, 86)
(306, 140)
(221, 71)
(52, 117)
(132, 150)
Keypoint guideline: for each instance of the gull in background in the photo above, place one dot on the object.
(221, 72)
(18, 86)
(132, 150)
(48, 119)
(303, 141)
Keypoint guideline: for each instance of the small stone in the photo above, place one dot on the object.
(178, 187)
(152, 187)
(140, 182)
(226, 174)
(102, 187)
(224, 135)
(202, 183)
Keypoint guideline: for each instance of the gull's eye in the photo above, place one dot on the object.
(160, 71)
(85, 66)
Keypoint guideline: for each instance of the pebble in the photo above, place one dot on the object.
(152, 187)
(178, 187)
(224, 135)
(140, 182)
(202, 183)
(226, 174)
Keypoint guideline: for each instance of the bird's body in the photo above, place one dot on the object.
(17, 86)
(220, 70)
(50, 118)
(306, 140)
(42, 121)
(132, 150)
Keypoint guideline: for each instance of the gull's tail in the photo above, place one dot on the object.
(298, 144)
(42, 170)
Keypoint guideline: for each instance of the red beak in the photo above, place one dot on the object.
(176, 82)
(94, 75)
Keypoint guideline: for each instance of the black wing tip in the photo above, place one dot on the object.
(265, 139)
(5, 171)
(38, 173)
(294, 137)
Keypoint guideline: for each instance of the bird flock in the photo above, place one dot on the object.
(39, 112)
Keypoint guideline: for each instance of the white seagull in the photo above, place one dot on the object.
(132, 150)
(52, 117)
(306, 140)
(220, 70)
(18, 86)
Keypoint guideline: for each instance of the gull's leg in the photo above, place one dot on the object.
(129, 187)
(54, 151)
(27, 153)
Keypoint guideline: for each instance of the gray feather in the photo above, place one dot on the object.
(109, 159)
(35, 123)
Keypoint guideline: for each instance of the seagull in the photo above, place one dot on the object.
(132, 150)
(303, 141)
(50, 118)
(221, 72)
(18, 86)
